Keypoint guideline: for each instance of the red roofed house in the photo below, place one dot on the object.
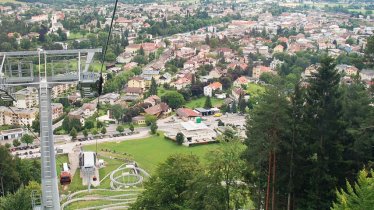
(241, 81)
(187, 114)
(149, 47)
(283, 39)
(39, 18)
(236, 92)
(181, 83)
(208, 90)
(158, 110)
(123, 22)
(241, 24)
(132, 48)
(225, 51)
(278, 49)
(257, 71)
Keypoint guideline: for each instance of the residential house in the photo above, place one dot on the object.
(26, 98)
(148, 75)
(259, 70)
(136, 82)
(263, 50)
(110, 98)
(138, 120)
(226, 52)
(310, 71)
(149, 47)
(237, 92)
(87, 110)
(187, 114)
(278, 49)
(130, 66)
(39, 18)
(152, 100)
(209, 89)
(241, 81)
(165, 79)
(347, 69)
(181, 83)
(133, 93)
(186, 53)
(158, 110)
(275, 64)
(215, 74)
(132, 48)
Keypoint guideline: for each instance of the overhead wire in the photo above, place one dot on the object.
(101, 80)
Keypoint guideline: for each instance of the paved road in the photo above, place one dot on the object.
(68, 147)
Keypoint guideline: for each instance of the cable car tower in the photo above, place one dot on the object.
(43, 70)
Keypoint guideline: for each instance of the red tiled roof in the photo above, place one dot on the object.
(182, 80)
(157, 109)
(242, 80)
(185, 112)
(215, 85)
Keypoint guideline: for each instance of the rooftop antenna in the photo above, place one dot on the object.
(17, 69)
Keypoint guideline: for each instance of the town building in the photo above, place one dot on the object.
(139, 120)
(11, 134)
(57, 110)
(26, 98)
(259, 70)
(136, 82)
(241, 81)
(110, 98)
(17, 116)
(158, 110)
(187, 114)
(210, 89)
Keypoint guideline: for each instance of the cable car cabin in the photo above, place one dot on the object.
(65, 178)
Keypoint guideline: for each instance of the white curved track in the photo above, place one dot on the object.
(123, 181)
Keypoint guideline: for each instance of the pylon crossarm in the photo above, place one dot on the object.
(51, 52)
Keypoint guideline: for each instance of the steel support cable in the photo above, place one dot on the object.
(101, 80)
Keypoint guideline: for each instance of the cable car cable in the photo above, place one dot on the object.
(101, 80)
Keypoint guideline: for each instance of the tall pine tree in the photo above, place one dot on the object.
(323, 121)
(208, 103)
(266, 129)
(153, 88)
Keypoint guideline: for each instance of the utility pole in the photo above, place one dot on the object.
(17, 69)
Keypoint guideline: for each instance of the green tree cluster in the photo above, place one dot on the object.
(324, 128)
(15, 172)
(188, 184)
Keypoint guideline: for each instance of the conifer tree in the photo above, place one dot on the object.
(323, 120)
(234, 108)
(153, 88)
(265, 130)
(208, 103)
(242, 104)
